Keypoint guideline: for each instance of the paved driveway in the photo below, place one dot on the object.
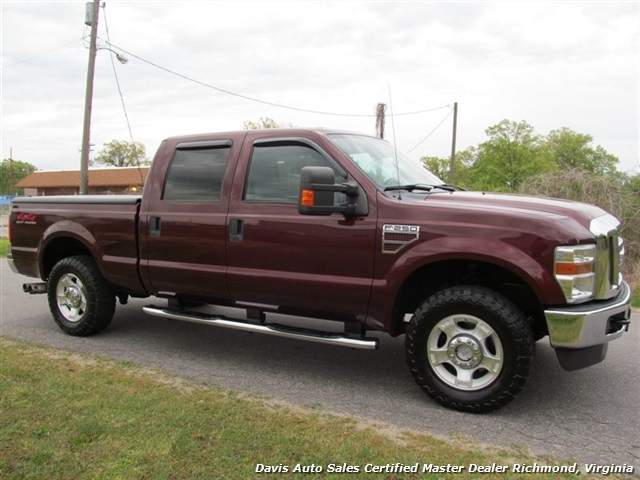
(4, 231)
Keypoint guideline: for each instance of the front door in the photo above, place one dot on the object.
(282, 260)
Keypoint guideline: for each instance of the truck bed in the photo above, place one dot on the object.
(104, 226)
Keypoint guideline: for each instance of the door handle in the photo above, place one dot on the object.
(154, 226)
(236, 230)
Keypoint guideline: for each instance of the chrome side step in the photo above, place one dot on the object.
(286, 331)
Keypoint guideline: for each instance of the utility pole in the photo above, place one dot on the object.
(92, 21)
(10, 170)
(453, 144)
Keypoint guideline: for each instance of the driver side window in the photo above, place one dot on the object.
(274, 172)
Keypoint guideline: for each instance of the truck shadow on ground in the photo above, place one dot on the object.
(259, 362)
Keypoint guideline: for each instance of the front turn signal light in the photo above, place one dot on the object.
(574, 269)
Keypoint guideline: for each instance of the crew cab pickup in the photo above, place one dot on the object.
(341, 227)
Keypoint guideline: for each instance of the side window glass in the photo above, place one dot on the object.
(196, 174)
(274, 172)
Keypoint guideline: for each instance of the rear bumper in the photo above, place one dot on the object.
(589, 324)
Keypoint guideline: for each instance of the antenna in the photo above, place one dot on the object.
(395, 145)
(380, 113)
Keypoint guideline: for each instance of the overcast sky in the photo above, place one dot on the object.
(552, 64)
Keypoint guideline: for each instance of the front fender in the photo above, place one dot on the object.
(527, 265)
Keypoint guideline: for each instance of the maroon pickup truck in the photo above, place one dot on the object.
(338, 226)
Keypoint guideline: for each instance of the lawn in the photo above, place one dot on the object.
(66, 415)
(5, 247)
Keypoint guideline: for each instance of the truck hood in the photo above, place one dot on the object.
(544, 216)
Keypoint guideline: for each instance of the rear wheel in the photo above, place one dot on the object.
(470, 348)
(80, 300)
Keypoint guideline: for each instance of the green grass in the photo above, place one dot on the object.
(5, 247)
(66, 415)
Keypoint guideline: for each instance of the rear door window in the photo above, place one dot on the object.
(196, 174)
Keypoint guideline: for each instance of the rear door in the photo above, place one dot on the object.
(281, 260)
(185, 225)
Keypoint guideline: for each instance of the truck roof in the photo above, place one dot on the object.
(269, 132)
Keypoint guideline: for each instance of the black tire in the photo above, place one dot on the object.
(80, 300)
(470, 348)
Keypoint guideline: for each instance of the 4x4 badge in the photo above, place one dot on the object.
(25, 218)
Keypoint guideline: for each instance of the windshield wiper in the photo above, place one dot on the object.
(452, 187)
(420, 186)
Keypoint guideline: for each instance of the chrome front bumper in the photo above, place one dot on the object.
(590, 324)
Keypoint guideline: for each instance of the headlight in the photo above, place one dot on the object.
(574, 268)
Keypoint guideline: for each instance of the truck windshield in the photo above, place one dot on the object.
(377, 159)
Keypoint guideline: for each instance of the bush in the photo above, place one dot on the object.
(633, 277)
(615, 195)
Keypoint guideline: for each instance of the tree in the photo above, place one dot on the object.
(632, 182)
(572, 150)
(13, 171)
(441, 166)
(619, 197)
(264, 122)
(122, 154)
(511, 155)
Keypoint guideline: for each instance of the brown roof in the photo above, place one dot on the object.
(98, 177)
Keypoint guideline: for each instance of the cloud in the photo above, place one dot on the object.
(553, 64)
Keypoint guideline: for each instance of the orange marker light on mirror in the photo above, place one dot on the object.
(308, 198)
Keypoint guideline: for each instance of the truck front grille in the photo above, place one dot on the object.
(609, 256)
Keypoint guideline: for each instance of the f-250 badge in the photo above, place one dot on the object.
(396, 237)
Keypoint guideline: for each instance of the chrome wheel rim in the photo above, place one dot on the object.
(465, 352)
(71, 297)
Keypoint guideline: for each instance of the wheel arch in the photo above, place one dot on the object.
(433, 277)
(61, 240)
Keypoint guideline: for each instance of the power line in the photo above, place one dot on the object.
(264, 102)
(431, 132)
(124, 107)
(40, 54)
(207, 85)
(10, 7)
(115, 74)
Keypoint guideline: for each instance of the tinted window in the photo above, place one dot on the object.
(274, 172)
(196, 174)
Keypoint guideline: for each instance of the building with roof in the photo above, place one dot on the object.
(102, 181)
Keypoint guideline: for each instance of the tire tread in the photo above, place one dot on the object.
(477, 299)
(100, 302)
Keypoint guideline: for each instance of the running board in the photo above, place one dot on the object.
(270, 329)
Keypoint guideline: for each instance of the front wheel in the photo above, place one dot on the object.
(470, 348)
(80, 300)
